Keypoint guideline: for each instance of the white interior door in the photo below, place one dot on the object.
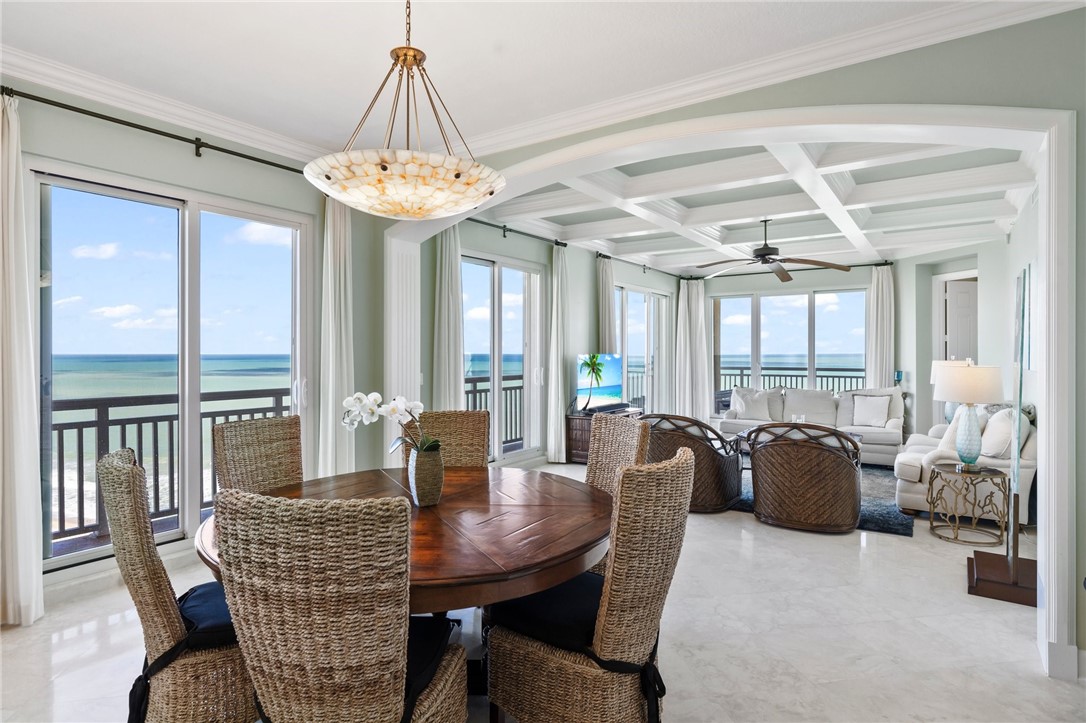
(961, 320)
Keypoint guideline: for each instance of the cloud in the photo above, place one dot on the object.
(101, 251)
(765, 334)
(208, 321)
(115, 312)
(166, 312)
(858, 331)
(512, 299)
(786, 302)
(830, 308)
(261, 234)
(826, 300)
(478, 313)
(511, 315)
(736, 320)
(160, 322)
(153, 255)
(67, 300)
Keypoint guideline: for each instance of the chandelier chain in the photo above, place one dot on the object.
(408, 22)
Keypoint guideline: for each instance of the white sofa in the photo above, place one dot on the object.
(913, 466)
(880, 443)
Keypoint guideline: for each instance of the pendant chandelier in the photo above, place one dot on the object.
(406, 183)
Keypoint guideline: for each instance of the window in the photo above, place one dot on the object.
(813, 340)
(642, 323)
(160, 317)
(502, 312)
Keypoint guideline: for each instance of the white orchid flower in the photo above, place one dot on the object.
(415, 408)
(370, 411)
(396, 410)
(350, 419)
(374, 398)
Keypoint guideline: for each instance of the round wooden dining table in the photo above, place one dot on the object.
(498, 533)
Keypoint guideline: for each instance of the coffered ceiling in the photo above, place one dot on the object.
(292, 78)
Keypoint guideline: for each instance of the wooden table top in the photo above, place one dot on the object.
(498, 533)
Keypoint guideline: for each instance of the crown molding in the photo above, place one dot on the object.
(929, 28)
(15, 63)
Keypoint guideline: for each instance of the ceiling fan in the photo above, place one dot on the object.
(768, 256)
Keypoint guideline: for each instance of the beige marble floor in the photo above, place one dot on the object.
(762, 624)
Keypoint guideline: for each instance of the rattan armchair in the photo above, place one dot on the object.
(257, 455)
(318, 590)
(718, 465)
(200, 685)
(805, 476)
(464, 436)
(536, 681)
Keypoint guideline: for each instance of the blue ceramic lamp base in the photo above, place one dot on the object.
(968, 440)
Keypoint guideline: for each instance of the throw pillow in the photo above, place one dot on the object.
(950, 437)
(817, 406)
(776, 403)
(870, 410)
(998, 437)
(751, 404)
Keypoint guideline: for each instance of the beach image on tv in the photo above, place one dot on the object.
(599, 380)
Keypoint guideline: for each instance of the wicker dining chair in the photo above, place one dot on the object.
(616, 442)
(200, 685)
(549, 653)
(464, 436)
(718, 465)
(318, 590)
(257, 455)
(805, 476)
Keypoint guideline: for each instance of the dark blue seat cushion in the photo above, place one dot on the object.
(207, 619)
(563, 616)
(427, 640)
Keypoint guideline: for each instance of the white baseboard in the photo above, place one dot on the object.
(1065, 661)
(79, 581)
(1082, 663)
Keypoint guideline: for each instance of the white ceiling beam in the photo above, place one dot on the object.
(542, 205)
(705, 177)
(826, 191)
(856, 156)
(655, 245)
(983, 179)
(784, 232)
(958, 213)
(975, 233)
(613, 229)
(755, 209)
(665, 214)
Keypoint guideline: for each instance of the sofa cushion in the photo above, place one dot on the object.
(816, 405)
(870, 411)
(751, 403)
(845, 409)
(776, 403)
(875, 435)
(909, 466)
(998, 437)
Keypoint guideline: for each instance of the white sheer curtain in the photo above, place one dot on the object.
(557, 384)
(605, 286)
(335, 446)
(880, 328)
(21, 595)
(693, 391)
(448, 374)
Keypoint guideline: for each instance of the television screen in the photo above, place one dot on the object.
(599, 380)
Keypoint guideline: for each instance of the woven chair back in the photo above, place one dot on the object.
(124, 495)
(464, 436)
(718, 466)
(616, 442)
(318, 590)
(805, 476)
(256, 455)
(647, 529)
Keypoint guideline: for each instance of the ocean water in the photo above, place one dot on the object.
(794, 361)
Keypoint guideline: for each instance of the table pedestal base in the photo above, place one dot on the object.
(990, 575)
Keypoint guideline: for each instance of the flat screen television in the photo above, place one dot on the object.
(599, 380)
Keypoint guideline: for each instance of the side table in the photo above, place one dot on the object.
(959, 496)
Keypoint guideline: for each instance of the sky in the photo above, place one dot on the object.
(839, 324)
(477, 289)
(115, 279)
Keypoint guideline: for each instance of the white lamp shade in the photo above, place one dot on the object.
(938, 364)
(969, 384)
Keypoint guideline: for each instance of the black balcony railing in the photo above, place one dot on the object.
(149, 425)
(835, 379)
(477, 391)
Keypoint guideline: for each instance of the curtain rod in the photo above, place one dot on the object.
(196, 142)
(506, 231)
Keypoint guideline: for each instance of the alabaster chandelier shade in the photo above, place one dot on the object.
(406, 183)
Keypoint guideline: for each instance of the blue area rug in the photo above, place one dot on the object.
(878, 508)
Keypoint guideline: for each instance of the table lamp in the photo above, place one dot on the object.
(950, 407)
(969, 385)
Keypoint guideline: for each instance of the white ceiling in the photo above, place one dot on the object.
(294, 78)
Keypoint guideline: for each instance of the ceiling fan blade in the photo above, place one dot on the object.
(724, 271)
(722, 261)
(779, 270)
(813, 262)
